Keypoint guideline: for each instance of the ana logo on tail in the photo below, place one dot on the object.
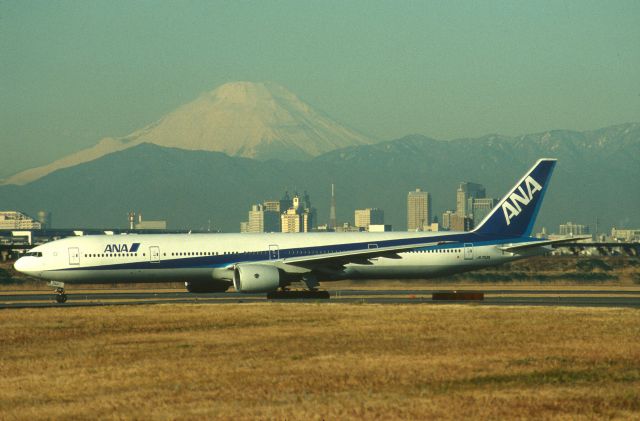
(511, 206)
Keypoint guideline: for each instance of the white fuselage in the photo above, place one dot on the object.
(202, 257)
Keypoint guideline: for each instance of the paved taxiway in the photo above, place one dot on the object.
(531, 297)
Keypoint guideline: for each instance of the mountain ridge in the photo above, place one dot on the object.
(188, 188)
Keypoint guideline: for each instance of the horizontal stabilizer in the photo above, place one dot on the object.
(531, 244)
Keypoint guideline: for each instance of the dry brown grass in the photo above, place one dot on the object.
(319, 361)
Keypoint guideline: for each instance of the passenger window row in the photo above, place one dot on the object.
(195, 253)
(113, 255)
(212, 253)
(438, 251)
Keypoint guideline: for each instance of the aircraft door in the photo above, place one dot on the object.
(74, 256)
(468, 251)
(274, 252)
(154, 254)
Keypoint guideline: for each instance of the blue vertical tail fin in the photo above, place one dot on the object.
(516, 213)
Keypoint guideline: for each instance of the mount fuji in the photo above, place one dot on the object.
(244, 119)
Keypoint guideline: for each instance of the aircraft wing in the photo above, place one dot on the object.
(341, 258)
(354, 256)
(531, 244)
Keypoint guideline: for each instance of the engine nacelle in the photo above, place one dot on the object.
(207, 286)
(256, 278)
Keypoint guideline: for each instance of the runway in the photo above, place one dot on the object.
(614, 298)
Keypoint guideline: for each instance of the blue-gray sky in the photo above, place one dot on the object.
(72, 72)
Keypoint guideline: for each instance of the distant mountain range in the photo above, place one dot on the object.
(596, 177)
(246, 119)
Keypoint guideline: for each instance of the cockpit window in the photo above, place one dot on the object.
(34, 253)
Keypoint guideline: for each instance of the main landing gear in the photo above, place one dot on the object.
(311, 293)
(298, 294)
(61, 297)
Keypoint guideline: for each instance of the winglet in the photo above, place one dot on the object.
(516, 213)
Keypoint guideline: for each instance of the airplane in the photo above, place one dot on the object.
(271, 262)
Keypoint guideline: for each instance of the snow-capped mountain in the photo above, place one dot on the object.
(252, 120)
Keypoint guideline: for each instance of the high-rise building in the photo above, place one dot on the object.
(278, 205)
(263, 220)
(573, 229)
(132, 219)
(44, 218)
(13, 220)
(332, 210)
(299, 217)
(446, 219)
(418, 210)
(369, 216)
(272, 206)
(460, 223)
(285, 215)
(467, 191)
(481, 208)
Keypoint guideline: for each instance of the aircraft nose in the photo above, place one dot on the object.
(28, 265)
(25, 265)
(20, 265)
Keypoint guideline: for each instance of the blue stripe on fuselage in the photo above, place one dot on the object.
(458, 240)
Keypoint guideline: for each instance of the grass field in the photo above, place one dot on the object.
(319, 361)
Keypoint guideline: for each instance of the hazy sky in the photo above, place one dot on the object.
(74, 72)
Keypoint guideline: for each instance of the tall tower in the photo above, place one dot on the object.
(418, 210)
(132, 219)
(332, 211)
(466, 193)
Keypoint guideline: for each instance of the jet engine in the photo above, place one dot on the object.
(256, 278)
(207, 286)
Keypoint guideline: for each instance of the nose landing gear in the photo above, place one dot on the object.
(61, 297)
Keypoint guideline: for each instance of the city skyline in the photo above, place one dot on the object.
(266, 216)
